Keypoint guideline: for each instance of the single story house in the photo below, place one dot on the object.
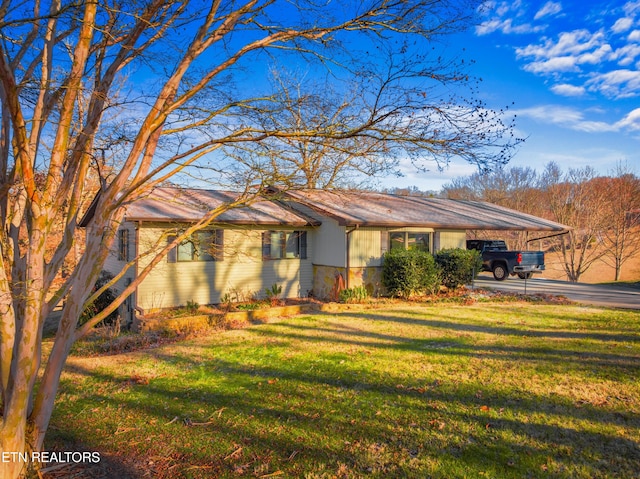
(309, 242)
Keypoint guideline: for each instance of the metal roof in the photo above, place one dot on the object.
(190, 205)
(348, 208)
(357, 208)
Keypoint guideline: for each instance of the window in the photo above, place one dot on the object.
(284, 245)
(201, 246)
(410, 240)
(396, 241)
(123, 245)
(419, 241)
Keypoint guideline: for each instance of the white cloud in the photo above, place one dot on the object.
(565, 89)
(574, 119)
(602, 53)
(486, 28)
(552, 113)
(616, 83)
(578, 60)
(594, 126)
(504, 17)
(568, 53)
(622, 25)
(568, 43)
(627, 54)
(506, 27)
(631, 121)
(549, 8)
(632, 7)
(577, 41)
(553, 65)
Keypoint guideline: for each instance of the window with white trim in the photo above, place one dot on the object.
(206, 245)
(410, 240)
(284, 245)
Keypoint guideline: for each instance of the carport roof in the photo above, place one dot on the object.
(357, 208)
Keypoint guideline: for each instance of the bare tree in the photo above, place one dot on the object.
(576, 200)
(514, 187)
(180, 78)
(621, 235)
(318, 161)
(389, 110)
(511, 187)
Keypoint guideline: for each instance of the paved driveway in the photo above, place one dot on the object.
(600, 295)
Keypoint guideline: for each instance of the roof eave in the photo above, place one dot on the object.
(141, 219)
(456, 226)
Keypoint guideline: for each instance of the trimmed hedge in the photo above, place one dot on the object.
(458, 266)
(409, 272)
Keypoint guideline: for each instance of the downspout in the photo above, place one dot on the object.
(348, 258)
(136, 251)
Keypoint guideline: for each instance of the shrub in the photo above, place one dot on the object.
(353, 295)
(409, 272)
(105, 299)
(192, 307)
(458, 266)
(273, 294)
(248, 306)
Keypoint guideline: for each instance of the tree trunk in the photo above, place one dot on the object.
(43, 407)
(15, 460)
(24, 357)
(24, 367)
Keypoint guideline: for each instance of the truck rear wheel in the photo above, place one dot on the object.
(500, 272)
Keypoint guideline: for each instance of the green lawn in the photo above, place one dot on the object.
(490, 390)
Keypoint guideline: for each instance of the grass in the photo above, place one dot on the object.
(496, 390)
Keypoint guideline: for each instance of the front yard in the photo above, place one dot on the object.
(496, 390)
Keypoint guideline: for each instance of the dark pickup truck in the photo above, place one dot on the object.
(502, 262)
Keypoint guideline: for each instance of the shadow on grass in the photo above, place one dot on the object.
(454, 324)
(455, 346)
(329, 410)
(110, 465)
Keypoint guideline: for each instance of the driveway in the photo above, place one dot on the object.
(600, 295)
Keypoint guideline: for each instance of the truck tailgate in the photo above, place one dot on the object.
(532, 258)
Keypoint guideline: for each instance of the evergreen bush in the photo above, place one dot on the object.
(409, 272)
(458, 266)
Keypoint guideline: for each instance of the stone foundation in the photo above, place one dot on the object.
(328, 281)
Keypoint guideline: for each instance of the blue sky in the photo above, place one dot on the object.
(573, 71)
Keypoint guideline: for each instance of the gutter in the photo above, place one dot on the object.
(548, 236)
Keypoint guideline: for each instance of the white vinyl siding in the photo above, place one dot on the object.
(242, 272)
(365, 246)
(123, 251)
(329, 244)
(114, 264)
